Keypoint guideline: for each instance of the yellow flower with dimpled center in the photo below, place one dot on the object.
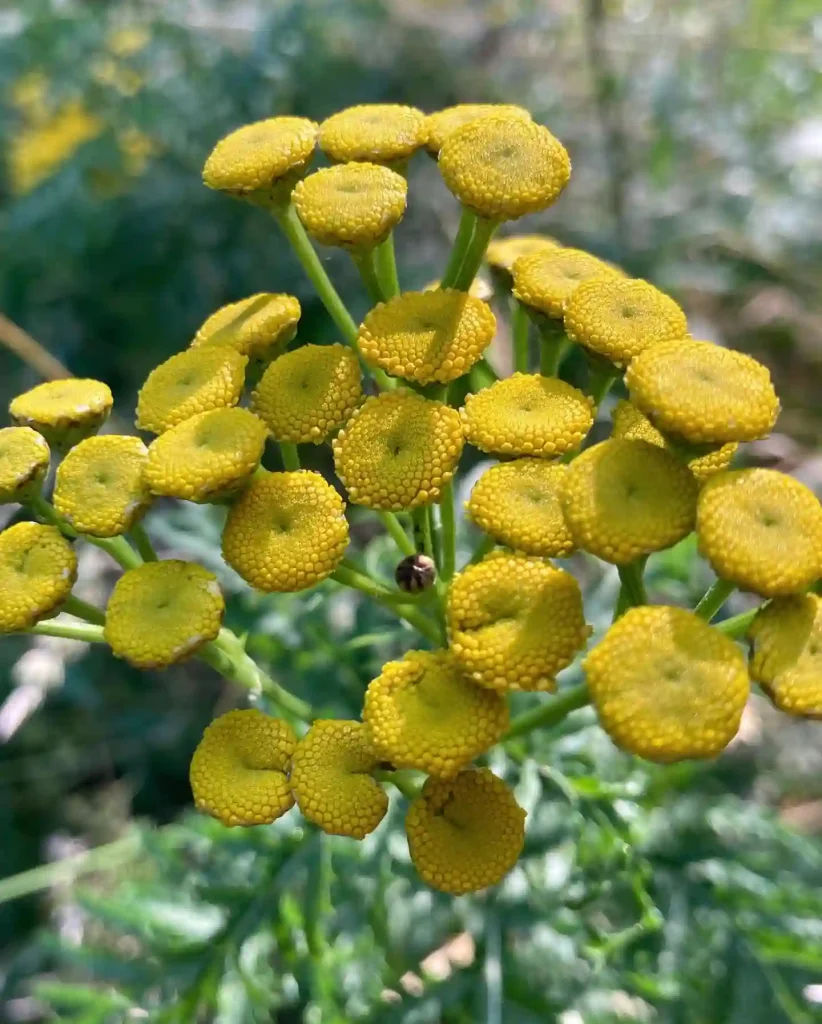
(617, 318)
(465, 834)
(331, 782)
(761, 530)
(442, 123)
(261, 156)
(100, 487)
(527, 414)
(307, 394)
(63, 411)
(666, 685)
(502, 253)
(519, 504)
(24, 462)
(163, 612)
(504, 167)
(286, 531)
(546, 279)
(703, 392)
(207, 456)
(188, 383)
(38, 568)
(786, 656)
(624, 499)
(257, 327)
(424, 713)
(515, 621)
(239, 771)
(379, 133)
(355, 206)
(398, 450)
(428, 336)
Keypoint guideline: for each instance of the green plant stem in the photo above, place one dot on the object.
(482, 375)
(118, 547)
(449, 533)
(633, 583)
(423, 540)
(366, 261)
(520, 330)
(86, 632)
(142, 542)
(551, 712)
(714, 598)
(227, 655)
(404, 780)
(738, 625)
(475, 253)
(600, 382)
(485, 547)
(462, 240)
(396, 601)
(553, 344)
(83, 610)
(399, 535)
(290, 456)
(387, 268)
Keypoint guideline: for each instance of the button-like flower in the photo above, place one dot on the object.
(63, 411)
(38, 568)
(787, 653)
(379, 133)
(257, 327)
(24, 462)
(262, 155)
(546, 279)
(442, 123)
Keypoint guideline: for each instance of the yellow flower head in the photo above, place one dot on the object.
(504, 167)
(761, 530)
(465, 833)
(24, 462)
(442, 123)
(286, 531)
(787, 653)
(207, 456)
(63, 411)
(331, 782)
(519, 504)
(424, 713)
(398, 450)
(378, 133)
(703, 392)
(239, 772)
(257, 327)
(546, 278)
(625, 499)
(527, 414)
(618, 317)
(38, 568)
(163, 612)
(355, 206)
(259, 156)
(480, 288)
(429, 336)
(100, 487)
(307, 394)
(666, 685)
(502, 253)
(515, 621)
(193, 381)
(632, 425)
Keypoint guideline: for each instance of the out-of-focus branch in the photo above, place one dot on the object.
(32, 353)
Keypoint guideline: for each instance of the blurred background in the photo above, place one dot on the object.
(687, 895)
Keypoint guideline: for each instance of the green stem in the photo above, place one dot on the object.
(387, 268)
(404, 780)
(482, 375)
(553, 344)
(600, 382)
(86, 632)
(485, 547)
(551, 712)
(396, 601)
(714, 598)
(449, 533)
(118, 547)
(83, 610)
(738, 626)
(465, 232)
(142, 542)
(520, 330)
(632, 582)
(395, 528)
(423, 540)
(290, 456)
(366, 261)
(475, 253)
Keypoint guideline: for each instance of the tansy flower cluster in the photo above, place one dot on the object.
(400, 403)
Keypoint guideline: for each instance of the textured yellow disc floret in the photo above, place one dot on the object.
(427, 336)
(504, 167)
(259, 155)
(519, 504)
(666, 685)
(379, 133)
(286, 531)
(787, 653)
(514, 621)
(761, 530)
(354, 205)
(63, 411)
(239, 772)
(398, 450)
(24, 462)
(625, 499)
(502, 253)
(207, 456)
(632, 425)
(194, 381)
(331, 780)
(256, 327)
(100, 487)
(163, 612)
(546, 279)
(425, 713)
(703, 392)
(38, 568)
(466, 833)
(527, 414)
(442, 123)
(617, 317)
(305, 395)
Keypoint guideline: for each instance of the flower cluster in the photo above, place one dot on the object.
(396, 401)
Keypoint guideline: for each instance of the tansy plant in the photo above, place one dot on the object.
(398, 398)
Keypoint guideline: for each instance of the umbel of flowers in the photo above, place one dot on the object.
(398, 398)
